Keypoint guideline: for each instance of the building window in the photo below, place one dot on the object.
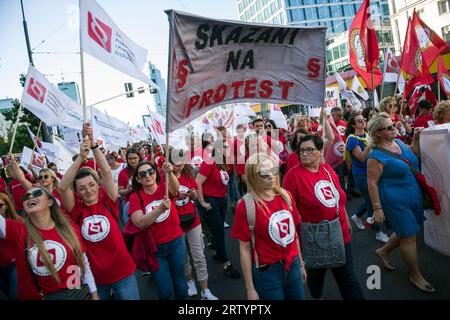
(336, 54)
(444, 6)
(446, 33)
(387, 38)
(329, 55)
(343, 50)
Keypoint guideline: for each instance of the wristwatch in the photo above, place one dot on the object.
(302, 263)
(94, 147)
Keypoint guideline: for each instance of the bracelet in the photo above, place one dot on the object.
(302, 263)
(377, 210)
(375, 203)
(94, 147)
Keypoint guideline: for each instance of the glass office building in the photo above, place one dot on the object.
(337, 15)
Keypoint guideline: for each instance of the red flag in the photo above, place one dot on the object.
(443, 76)
(363, 46)
(430, 43)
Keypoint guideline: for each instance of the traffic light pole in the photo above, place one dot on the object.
(45, 135)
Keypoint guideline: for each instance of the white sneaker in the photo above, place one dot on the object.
(207, 295)
(192, 289)
(358, 222)
(226, 225)
(381, 236)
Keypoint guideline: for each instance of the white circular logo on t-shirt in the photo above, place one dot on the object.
(196, 161)
(326, 193)
(57, 255)
(152, 206)
(339, 148)
(95, 228)
(281, 228)
(225, 177)
(185, 201)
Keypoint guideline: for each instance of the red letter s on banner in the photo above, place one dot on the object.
(314, 67)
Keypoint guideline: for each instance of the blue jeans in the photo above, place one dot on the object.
(361, 183)
(125, 289)
(170, 275)
(125, 216)
(345, 277)
(8, 280)
(278, 284)
(214, 219)
(232, 192)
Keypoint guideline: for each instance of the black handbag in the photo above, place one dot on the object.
(66, 294)
(186, 221)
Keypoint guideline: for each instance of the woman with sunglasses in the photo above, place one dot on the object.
(133, 157)
(388, 106)
(357, 147)
(319, 196)
(212, 181)
(94, 208)
(46, 246)
(8, 274)
(276, 270)
(190, 223)
(149, 208)
(395, 194)
(46, 179)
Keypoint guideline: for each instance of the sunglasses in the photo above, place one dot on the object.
(35, 193)
(44, 177)
(390, 128)
(143, 174)
(268, 126)
(361, 120)
(267, 173)
(308, 150)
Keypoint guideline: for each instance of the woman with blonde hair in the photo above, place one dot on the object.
(388, 106)
(395, 193)
(8, 275)
(442, 112)
(46, 247)
(277, 271)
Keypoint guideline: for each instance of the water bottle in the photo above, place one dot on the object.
(369, 222)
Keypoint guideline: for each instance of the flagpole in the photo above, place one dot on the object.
(439, 91)
(35, 142)
(19, 114)
(396, 83)
(169, 87)
(373, 91)
(83, 87)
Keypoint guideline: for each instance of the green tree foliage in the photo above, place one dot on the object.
(22, 138)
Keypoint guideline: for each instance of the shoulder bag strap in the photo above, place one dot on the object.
(251, 219)
(334, 188)
(27, 261)
(397, 156)
(287, 199)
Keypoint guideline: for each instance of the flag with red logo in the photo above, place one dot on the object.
(157, 125)
(364, 47)
(443, 76)
(34, 138)
(102, 39)
(391, 67)
(430, 43)
(278, 117)
(215, 62)
(335, 155)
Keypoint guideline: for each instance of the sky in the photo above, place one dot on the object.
(54, 38)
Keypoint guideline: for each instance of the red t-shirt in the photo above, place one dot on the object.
(239, 152)
(275, 230)
(108, 255)
(125, 180)
(18, 191)
(316, 197)
(2, 185)
(216, 184)
(197, 158)
(91, 164)
(340, 126)
(186, 206)
(424, 121)
(292, 160)
(59, 175)
(6, 253)
(167, 227)
(16, 235)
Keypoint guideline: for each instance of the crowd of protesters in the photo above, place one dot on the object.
(140, 207)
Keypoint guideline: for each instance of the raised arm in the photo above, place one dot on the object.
(14, 167)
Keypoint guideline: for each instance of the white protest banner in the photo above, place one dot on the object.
(359, 89)
(214, 62)
(65, 155)
(314, 111)
(72, 138)
(102, 39)
(48, 103)
(109, 129)
(157, 124)
(38, 160)
(50, 150)
(332, 97)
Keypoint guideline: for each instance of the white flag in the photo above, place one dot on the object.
(65, 155)
(376, 102)
(102, 39)
(48, 103)
(391, 67)
(278, 117)
(109, 129)
(342, 86)
(38, 161)
(359, 89)
(217, 62)
(354, 101)
(157, 125)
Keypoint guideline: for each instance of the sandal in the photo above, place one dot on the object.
(426, 288)
(387, 264)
